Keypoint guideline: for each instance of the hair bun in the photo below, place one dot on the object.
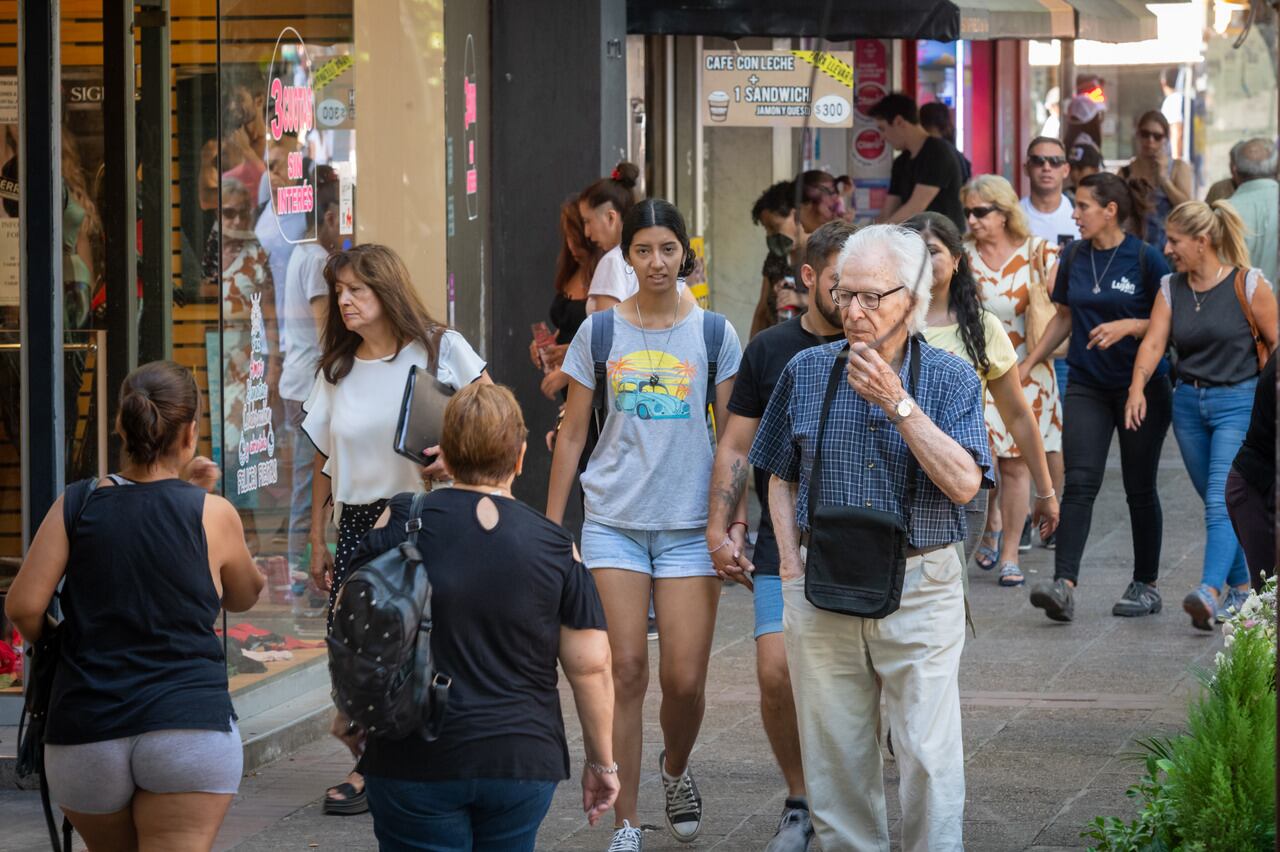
(157, 400)
(627, 174)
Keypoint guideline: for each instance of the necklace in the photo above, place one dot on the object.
(654, 381)
(1093, 264)
(1199, 298)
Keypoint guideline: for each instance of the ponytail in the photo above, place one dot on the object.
(1130, 196)
(1228, 238)
(1221, 224)
(618, 189)
(157, 401)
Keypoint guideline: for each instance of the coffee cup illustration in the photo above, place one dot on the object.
(718, 103)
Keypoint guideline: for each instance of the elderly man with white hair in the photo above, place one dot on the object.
(871, 583)
(1257, 200)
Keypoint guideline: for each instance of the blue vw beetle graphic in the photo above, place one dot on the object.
(648, 400)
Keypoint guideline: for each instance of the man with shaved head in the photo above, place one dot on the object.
(1257, 200)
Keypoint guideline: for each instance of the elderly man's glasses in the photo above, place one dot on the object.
(867, 299)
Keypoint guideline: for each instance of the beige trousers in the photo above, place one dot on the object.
(834, 661)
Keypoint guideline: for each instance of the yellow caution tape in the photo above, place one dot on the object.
(330, 70)
(836, 69)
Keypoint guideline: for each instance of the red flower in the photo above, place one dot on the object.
(615, 175)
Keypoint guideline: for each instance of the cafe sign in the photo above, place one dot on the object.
(777, 88)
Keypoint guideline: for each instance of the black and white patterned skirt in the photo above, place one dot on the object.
(355, 523)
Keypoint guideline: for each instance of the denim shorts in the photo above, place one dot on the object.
(768, 604)
(662, 554)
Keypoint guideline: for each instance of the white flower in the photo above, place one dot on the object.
(1229, 640)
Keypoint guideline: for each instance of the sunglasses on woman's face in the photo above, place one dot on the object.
(1151, 135)
(1038, 161)
(979, 212)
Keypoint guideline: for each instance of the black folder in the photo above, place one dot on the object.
(421, 415)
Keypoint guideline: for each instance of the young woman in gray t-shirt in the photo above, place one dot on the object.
(645, 491)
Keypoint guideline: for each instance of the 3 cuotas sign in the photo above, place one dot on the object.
(291, 115)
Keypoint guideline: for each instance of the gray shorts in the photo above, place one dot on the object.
(101, 778)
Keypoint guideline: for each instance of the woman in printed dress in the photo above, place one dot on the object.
(1007, 261)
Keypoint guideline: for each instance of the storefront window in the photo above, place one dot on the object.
(82, 297)
(285, 186)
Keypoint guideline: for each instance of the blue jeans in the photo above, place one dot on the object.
(485, 815)
(1209, 424)
(1060, 371)
(304, 456)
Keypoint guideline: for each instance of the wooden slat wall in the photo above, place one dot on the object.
(249, 31)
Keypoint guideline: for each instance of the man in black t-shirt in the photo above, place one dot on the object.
(762, 363)
(927, 174)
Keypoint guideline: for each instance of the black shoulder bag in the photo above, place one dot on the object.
(857, 556)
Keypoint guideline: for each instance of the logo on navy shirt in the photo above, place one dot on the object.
(1124, 285)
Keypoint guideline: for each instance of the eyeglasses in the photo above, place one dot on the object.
(980, 212)
(233, 212)
(1151, 135)
(868, 299)
(1037, 161)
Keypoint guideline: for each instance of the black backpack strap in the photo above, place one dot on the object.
(414, 523)
(601, 346)
(73, 503)
(713, 330)
(432, 697)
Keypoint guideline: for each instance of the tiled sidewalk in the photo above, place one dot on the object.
(1050, 714)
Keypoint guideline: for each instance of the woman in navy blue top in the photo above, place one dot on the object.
(1107, 282)
(141, 748)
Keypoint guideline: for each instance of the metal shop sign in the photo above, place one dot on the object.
(772, 88)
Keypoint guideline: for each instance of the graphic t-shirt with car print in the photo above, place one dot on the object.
(652, 465)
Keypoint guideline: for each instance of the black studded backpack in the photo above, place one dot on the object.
(380, 645)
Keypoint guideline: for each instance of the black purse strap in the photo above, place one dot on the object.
(833, 384)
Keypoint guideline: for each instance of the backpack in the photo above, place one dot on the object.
(713, 331)
(380, 659)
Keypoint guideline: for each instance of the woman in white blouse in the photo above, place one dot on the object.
(376, 330)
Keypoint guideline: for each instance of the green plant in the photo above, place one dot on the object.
(1222, 771)
(1154, 829)
(1213, 787)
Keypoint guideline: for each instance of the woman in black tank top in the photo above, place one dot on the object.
(149, 557)
(1217, 314)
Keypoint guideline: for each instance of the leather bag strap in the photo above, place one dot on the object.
(833, 384)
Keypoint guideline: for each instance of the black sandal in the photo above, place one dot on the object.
(353, 801)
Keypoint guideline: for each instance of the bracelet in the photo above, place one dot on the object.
(711, 550)
(1052, 493)
(742, 524)
(601, 769)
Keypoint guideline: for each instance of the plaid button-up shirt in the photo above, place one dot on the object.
(864, 459)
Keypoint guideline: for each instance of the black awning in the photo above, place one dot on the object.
(850, 19)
